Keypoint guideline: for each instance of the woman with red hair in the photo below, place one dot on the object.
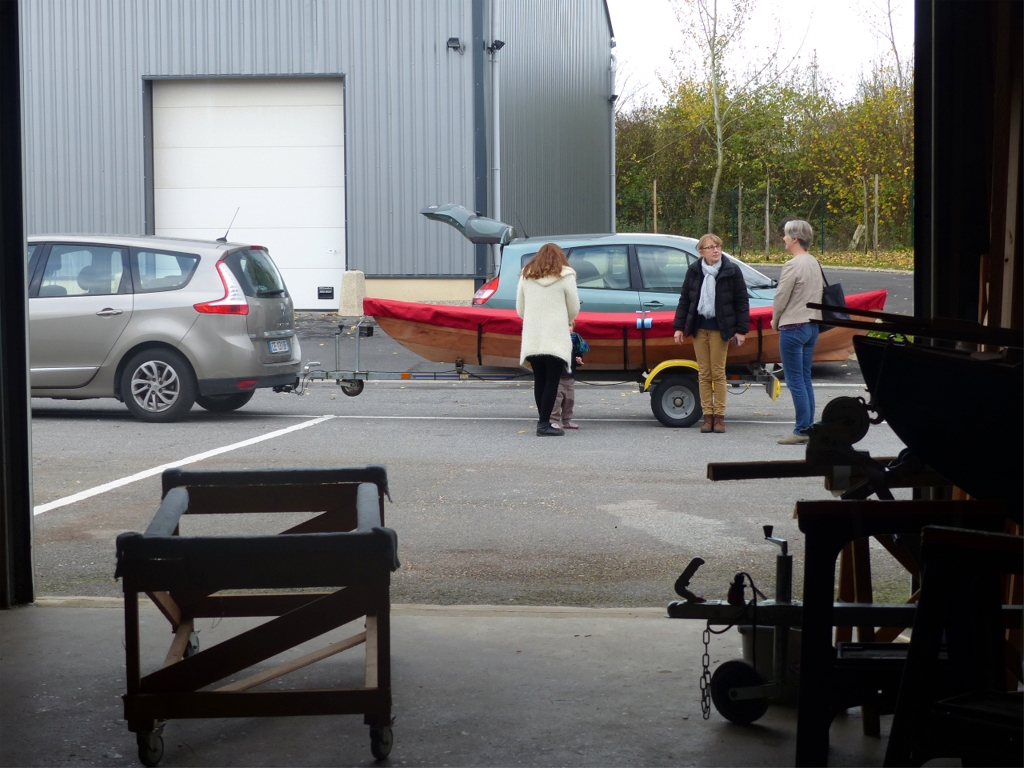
(547, 301)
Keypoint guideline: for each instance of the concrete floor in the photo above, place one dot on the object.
(472, 685)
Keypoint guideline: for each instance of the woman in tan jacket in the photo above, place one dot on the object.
(801, 282)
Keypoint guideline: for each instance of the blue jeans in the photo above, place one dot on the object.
(796, 347)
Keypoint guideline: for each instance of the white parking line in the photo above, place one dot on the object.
(180, 463)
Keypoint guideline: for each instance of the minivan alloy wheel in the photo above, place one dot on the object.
(155, 386)
(158, 385)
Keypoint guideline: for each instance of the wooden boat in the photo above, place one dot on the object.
(618, 341)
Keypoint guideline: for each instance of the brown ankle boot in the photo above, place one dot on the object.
(719, 423)
(709, 423)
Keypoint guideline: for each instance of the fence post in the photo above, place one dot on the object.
(864, 183)
(732, 212)
(739, 222)
(655, 206)
(767, 236)
(876, 217)
(822, 201)
(910, 234)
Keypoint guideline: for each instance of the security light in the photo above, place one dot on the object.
(455, 44)
(497, 45)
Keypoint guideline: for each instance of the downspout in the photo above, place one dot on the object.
(495, 131)
(611, 104)
(478, 49)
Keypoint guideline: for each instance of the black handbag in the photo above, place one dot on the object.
(831, 296)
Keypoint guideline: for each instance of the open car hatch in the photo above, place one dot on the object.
(477, 229)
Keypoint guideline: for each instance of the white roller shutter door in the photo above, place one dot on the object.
(274, 150)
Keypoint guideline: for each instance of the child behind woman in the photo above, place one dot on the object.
(566, 397)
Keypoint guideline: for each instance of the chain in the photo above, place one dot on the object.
(705, 678)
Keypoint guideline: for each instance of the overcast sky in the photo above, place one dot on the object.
(646, 32)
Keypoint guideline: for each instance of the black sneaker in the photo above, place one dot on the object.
(547, 430)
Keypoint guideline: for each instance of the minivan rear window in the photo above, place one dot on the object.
(155, 271)
(257, 274)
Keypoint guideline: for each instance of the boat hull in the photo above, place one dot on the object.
(492, 337)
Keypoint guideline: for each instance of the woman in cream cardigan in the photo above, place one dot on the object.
(800, 283)
(547, 301)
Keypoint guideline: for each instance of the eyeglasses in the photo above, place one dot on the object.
(711, 248)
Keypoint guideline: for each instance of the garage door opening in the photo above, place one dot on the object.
(272, 149)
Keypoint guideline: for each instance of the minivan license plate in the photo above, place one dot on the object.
(277, 347)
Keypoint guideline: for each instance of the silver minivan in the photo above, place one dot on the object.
(158, 323)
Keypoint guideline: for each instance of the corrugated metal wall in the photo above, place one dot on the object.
(409, 109)
(556, 129)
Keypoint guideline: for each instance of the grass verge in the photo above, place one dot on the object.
(903, 260)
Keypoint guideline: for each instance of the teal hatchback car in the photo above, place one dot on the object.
(625, 272)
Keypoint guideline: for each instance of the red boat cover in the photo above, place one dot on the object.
(590, 325)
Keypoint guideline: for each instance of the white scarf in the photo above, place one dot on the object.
(706, 305)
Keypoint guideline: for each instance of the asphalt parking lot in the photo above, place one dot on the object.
(486, 512)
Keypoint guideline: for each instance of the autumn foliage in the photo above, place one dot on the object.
(818, 153)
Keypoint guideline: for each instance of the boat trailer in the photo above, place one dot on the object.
(675, 395)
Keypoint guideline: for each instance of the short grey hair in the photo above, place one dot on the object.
(800, 230)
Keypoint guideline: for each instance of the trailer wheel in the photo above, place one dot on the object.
(675, 401)
(737, 674)
(151, 748)
(381, 740)
(353, 389)
(192, 646)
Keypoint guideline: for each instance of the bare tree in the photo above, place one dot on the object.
(716, 28)
(879, 16)
(632, 92)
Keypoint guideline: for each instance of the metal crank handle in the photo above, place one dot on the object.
(684, 578)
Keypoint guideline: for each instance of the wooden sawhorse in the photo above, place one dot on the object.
(345, 548)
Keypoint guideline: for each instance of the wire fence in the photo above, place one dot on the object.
(750, 219)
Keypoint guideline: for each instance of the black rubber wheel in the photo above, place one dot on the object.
(151, 748)
(737, 674)
(225, 403)
(381, 740)
(675, 401)
(158, 385)
(353, 389)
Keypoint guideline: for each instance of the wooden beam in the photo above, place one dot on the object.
(862, 585)
(372, 651)
(824, 513)
(168, 607)
(235, 606)
(202, 704)
(328, 522)
(219, 500)
(902, 555)
(259, 643)
(181, 637)
(290, 666)
(133, 665)
(761, 470)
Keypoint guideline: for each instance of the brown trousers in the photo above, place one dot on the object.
(564, 400)
(711, 350)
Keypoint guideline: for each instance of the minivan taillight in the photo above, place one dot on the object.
(486, 291)
(232, 303)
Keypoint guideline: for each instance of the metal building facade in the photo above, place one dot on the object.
(556, 116)
(413, 109)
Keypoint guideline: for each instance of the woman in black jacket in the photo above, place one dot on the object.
(714, 310)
